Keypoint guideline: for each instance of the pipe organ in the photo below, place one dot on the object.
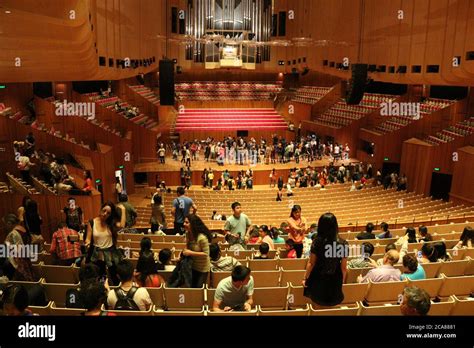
(228, 33)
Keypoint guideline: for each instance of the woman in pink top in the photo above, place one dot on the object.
(265, 236)
(296, 229)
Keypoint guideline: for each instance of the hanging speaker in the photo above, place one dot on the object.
(357, 84)
(166, 68)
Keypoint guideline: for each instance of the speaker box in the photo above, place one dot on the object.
(166, 68)
(357, 84)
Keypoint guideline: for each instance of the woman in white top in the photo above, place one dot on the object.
(265, 236)
(101, 240)
(466, 241)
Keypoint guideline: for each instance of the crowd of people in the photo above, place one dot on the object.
(93, 245)
(236, 150)
(48, 168)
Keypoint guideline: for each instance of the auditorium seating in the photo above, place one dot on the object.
(459, 130)
(226, 90)
(229, 119)
(341, 114)
(310, 94)
(353, 209)
(18, 185)
(428, 106)
(109, 103)
(146, 93)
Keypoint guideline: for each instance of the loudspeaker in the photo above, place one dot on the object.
(166, 68)
(357, 84)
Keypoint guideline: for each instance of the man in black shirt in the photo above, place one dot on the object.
(367, 234)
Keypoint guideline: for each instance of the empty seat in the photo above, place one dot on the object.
(383, 310)
(186, 299)
(271, 298)
(431, 269)
(442, 308)
(157, 296)
(60, 274)
(197, 313)
(299, 312)
(293, 277)
(354, 292)
(61, 311)
(431, 286)
(57, 292)
(459, 286)
(266, 279)
(453, 268)
(293, 264)
(337, 311)
(263, 265)
(463, 306)
(385, 292)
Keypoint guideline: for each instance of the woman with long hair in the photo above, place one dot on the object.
(326, 268)
(147, 271)
(466, 241)
(296, 229)
(32, 222)
(199, 238)
(266, 236)
(101, 239)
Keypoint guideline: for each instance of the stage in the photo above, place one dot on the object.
(170, 171)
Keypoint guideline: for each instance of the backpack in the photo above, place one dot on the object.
(125, 300)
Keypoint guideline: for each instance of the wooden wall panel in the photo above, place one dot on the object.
(462, 186)
(415, 164)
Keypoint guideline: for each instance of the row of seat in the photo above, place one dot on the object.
(444, 292)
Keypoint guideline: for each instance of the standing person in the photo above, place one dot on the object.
(187, 157)
(161, 154)
(130, 211)
(273, 178)
(326, 272)
(188, 177)
(74, 215)
(118, 187)
(238, 224)
(279, 195)
(280, 183)
(88, 186)
(157, 214)
(181, 207)
(296, 229)
(210, 178)
(204, 178)
(33, 222)
(65, 245)
(182, 175)
(19, 268)
(199, 237)
(101, 239)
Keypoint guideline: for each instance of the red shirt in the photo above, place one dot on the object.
(87, 185)
(291, 254)
(63, 247)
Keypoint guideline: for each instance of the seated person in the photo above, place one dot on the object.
(235, 292)
(221, 263)
(87, 272)
(424, 235)
(364, 261)
(254, 237)
(146, 274)
(385, 231)
(276, 236)
(234, 242)
(412, 269)
(128, 296)
(415, 302)
(16, 301)
(410, 236)
(368, 233)
(290, 246)
(164, 257)
(466, 240)
(384, 273)
(93, 295)
(263, 249)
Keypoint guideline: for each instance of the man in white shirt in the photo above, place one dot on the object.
(140, 300)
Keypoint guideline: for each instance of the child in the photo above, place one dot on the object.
(290, 246)
(263, 252)
(254, 237)
(164, 257)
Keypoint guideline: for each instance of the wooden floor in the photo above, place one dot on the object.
(199, 165)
